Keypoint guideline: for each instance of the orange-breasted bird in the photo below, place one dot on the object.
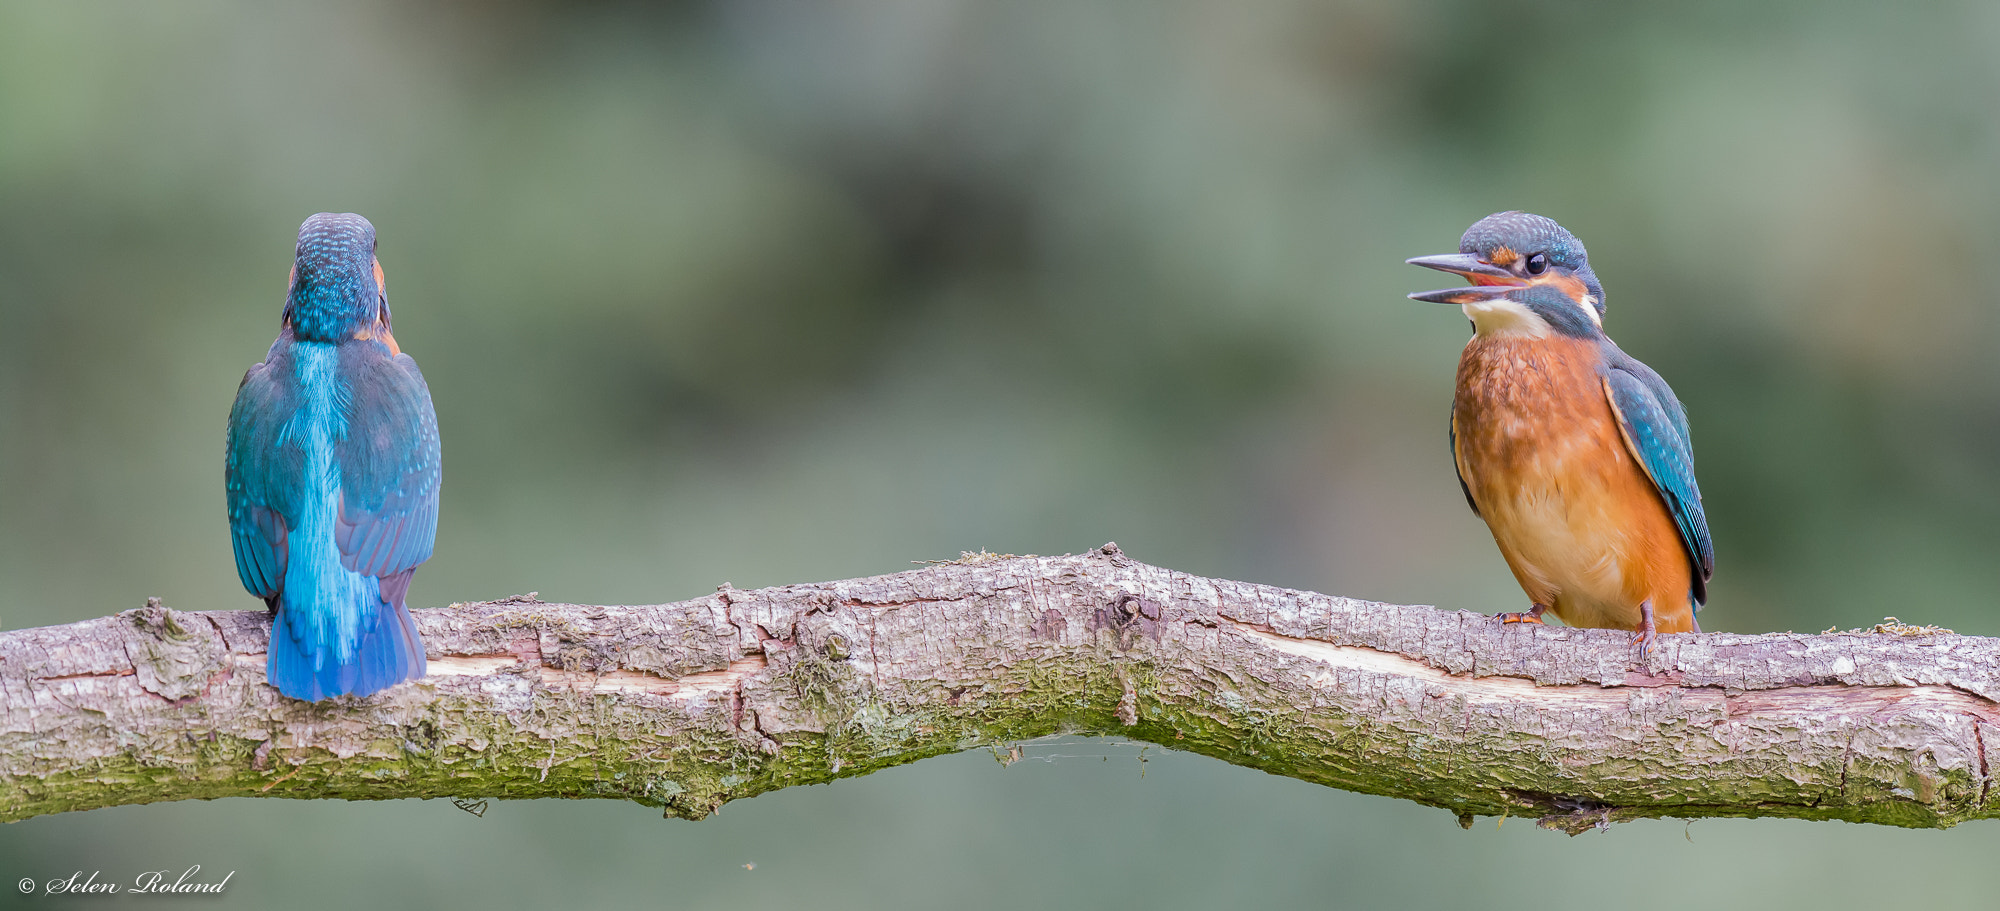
(1575, 454)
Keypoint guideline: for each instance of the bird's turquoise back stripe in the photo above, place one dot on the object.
(325, 602)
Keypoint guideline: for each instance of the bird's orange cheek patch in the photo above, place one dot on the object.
(1503, 257)
(1568, 284)
(380, 333)
(379, 330)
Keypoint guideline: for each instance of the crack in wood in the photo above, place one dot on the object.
(1985, 774)
(91, 675)
(615, 681)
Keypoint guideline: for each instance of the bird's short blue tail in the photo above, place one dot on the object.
(305, 657)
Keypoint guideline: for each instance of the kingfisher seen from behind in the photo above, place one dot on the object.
(1575, 454)
(331, 473)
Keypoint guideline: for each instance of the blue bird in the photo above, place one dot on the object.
(1576, 455)
(332, 475)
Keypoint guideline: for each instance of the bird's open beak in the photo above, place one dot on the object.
(1471, 294)
(1488, 281)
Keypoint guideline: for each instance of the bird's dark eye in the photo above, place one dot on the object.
(1538, 264)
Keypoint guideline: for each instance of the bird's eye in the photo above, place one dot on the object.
(1538, 264)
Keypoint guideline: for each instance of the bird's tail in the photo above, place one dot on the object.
(306, 658)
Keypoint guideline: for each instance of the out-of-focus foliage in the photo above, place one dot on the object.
(762, 292)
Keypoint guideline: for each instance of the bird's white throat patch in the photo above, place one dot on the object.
(1502, 318)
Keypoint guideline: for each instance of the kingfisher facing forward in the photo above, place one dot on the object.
(1575, 454)
(332, 475)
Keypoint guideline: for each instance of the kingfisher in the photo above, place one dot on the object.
(331, 474)
(1576, 455)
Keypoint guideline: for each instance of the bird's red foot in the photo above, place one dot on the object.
(1648, 633)
(1529, 616)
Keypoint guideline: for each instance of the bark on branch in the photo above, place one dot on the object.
(687, 706)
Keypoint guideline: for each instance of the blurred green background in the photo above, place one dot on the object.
(759, 292)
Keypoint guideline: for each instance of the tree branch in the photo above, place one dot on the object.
(687, 706)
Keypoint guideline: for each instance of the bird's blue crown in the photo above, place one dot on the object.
(334, 291)
(1526, 233)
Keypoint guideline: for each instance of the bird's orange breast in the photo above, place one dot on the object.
(1575, 516)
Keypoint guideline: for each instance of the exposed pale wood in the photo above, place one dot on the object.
(686, 706)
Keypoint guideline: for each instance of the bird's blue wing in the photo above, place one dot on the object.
(389, 465)
(1656, 432)
(259, 475)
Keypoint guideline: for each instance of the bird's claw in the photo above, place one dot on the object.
(1648, 632)
(1527, 616)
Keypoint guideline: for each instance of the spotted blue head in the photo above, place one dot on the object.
(337, 290)
(1529, 277)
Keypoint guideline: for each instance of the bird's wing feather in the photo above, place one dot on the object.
(1455, 466)
(259, 476)
(389, 465)
(1655, 429)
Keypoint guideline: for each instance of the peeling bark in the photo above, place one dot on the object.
(687, 706)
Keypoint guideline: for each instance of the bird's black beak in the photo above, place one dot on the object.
(1466, 264)
(1470, 294)
(1489, 281)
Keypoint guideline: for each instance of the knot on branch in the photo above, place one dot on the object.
(1127, 615)
(1118, 558)
(1582, 816)
(174, 654)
